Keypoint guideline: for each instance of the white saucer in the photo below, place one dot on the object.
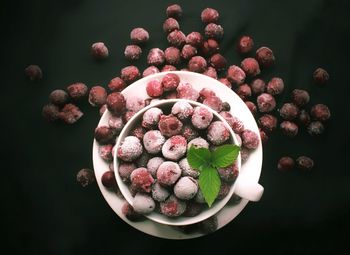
(251, 168)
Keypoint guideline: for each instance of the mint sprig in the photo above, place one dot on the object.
(201, 159)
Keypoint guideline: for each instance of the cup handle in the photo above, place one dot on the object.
(248, 189)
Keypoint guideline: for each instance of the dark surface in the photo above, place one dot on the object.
(44, 210)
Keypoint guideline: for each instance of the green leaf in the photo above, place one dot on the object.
(224, 155)
(209, 183)
(198, 157)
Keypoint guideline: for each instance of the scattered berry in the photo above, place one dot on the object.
(315, 128)
(300, 97)
(250, 139)
(265, 57)
(304, 118)
(320, 76)
(251, 106)
(266, 102)
(177, 38)
(305, 163)
(33, 72)
(250, 66)
(139, 35)
(275, 86)
(245, 44)
(154, 88)
(197, 64)
(50, 112)
(226, 82)
(77, 91)
(244, 91)
(167, 68)
(132, 52)
(104, 135)
(170, 24)
(155, 57)
(320, 112)
(289, 111)
(97, 96)
(85, 177)
(209, 15)
(116, 103)
(211, 72)
(285, 163)
(70, 113)
(235, 75)
(289, 128)
(174, 11)
(210, 47)
(188, 51)
(105, 152)
(172, 55)
(213, 30)
(150, 70)
(58, 97)
(99, 50)
(194, 39)
(218, 61)
(186, 91)
(263, 136)
(170, 81)
(129, 212)
(130, 74)
(268, 122)
(258, 86)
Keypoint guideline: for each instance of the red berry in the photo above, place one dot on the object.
(263, 136)
(108, 179)
(105, 152)
(194, 39)
(197, 64)
(213, 30)
(99, 50)
(132, 52)
(214, 103)
(209, 15)
(218, 62)
(268, 122)
(258, 86)
(285, 163)
(50, 112)
(33, 72)
(289, 128)
(235, 75)
(78, 90)
(300, 97)
(169, 125)
(275, 86)
(85, 177)
(226, 82)
(188, 51)
(104, 134)
(265, 57)
(186, 91)
(266, 102)
(320, 76)
(315, 128)
(70, 114)
(170, 24)
(320, 112)
(289, 111)
(174, 11)
(150, 70)
(58, 97)
(116, 103)
(116, 84)
(250, 139)
(97, 96)
(251, 106)
(250, 66)
(154, 88)
(210, 47)
(170, 81)
(244, 91)
(245, 44)
(139, 35)
(176, 38)
(172, 55)
(211, 72)
(155, 57)
(130, 74)
(305, 163)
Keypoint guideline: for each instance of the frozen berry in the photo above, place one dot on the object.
(229, 174)
(245, 44)
(174, 11)
(258, 86)
(143, 203)
(138, 132)
(235, 123)
(213, 30)
(285, 163)
(320, 112)
(170, 81)
(218, 133)
(268, 122)
(197, 64)
(194, 39)
(78, 90)
(266, 102)
(155, 57)
(139, 35)
(130, 74)
(210, 47)
(116, 84)
(251, 106)
(129, 212)
(154, 88)
(193, 209)
(170, 24)
(275, 86)
(315, 128)
(151, 117)
(201, 117)
(97, 96)
(169, 125)
(235, 75)
(85, 177)
(198, 142)
(211, 72)
(108, 179)
(172, 55)
(125, 170)
(150, 70)
(99, 50)
(116, 103)
(33, 72)
(130, 149)
(168, 173)
(105, 152)
(70, 113)
(263, 136)
(289, 111)
(182, 110)
(289, 128)
(58, 97)
(153, 141)
(186, 188)
(265, 57)
(250, 66)
(209, 15)
(218, 61)
(205, 93)
(50, 112)
(153, 165)
(304, 118)
(168, 68)
(214, 103)
(186, 91)
(188, 51)
(187, 170)
(226, 82)
(104, 134)
(244, 91)
(250, 139)
(320, 76)
(141, 179)
(189, 132)
(132, 52)
(172, 207)
(135, 104)
(304, 163)
(159, 193)
(174, 148)
(176, 38)
(300, 97)
(209, 225)
(126, 116)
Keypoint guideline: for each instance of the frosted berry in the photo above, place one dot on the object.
(153, 165)
(154, 88)
(104, 134)
(70, 113)
(201, 117)
(155, 57)
(245, 44)
(151, 117)
(268, 122)
(129, 212)
(130, 74)
(174, 148)
(135, 104)
(244, 91)
(170, 81)
(197, 64)
(99, 50)
(289, 128)
(168, 173)
(125, 170)
(150, 70)
(213, 30)
(218, 133)
(50, 112)
(320, 112)
(289, 111)
(141, 179)
(77, 91)
(139, 35)
(188, 51)
(186, 91)
(250, 66)
(194, 39)
(186, 169)
(315, 128)
(85, 177)
(229, 174)
(300, 97)
(285, 163)
(172, 207)
(251, 106)
(210, 47)
(169, 125)
(153, 141)
(33, 72)
(130, 149)
(235, 75)
(138, 132)
(143, 203)
(214, 103)
(304, 118)
(116, 103)
(211, 72)
(218, 61)
(108, 179)
(105, 152)
(250, 139)
(58, 97)
(304, 163)
(258, 86)
(170, 24)
(198, 142)
(265, 57)
(266, 102)
(209, 15)
(226, 82)
(205, 93)
(320, 76)
(172, 55)
(174, 11)
(186, 188)
(235, 123)
(189, 132)
(182, 110)
(97, 96)
(176, 38)
(132, 52)
(159, 192)
(275, 86)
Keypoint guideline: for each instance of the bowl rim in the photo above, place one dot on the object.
(155, 216)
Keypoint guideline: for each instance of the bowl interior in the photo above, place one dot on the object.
(155, 216)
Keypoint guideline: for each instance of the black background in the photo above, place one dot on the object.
(44, 210)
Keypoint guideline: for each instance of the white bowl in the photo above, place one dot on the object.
(156, 216)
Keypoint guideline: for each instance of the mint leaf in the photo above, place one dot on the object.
(224, 155)
(198, 157)
(209, 183)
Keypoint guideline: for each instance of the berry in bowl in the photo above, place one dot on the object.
(187, 159)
